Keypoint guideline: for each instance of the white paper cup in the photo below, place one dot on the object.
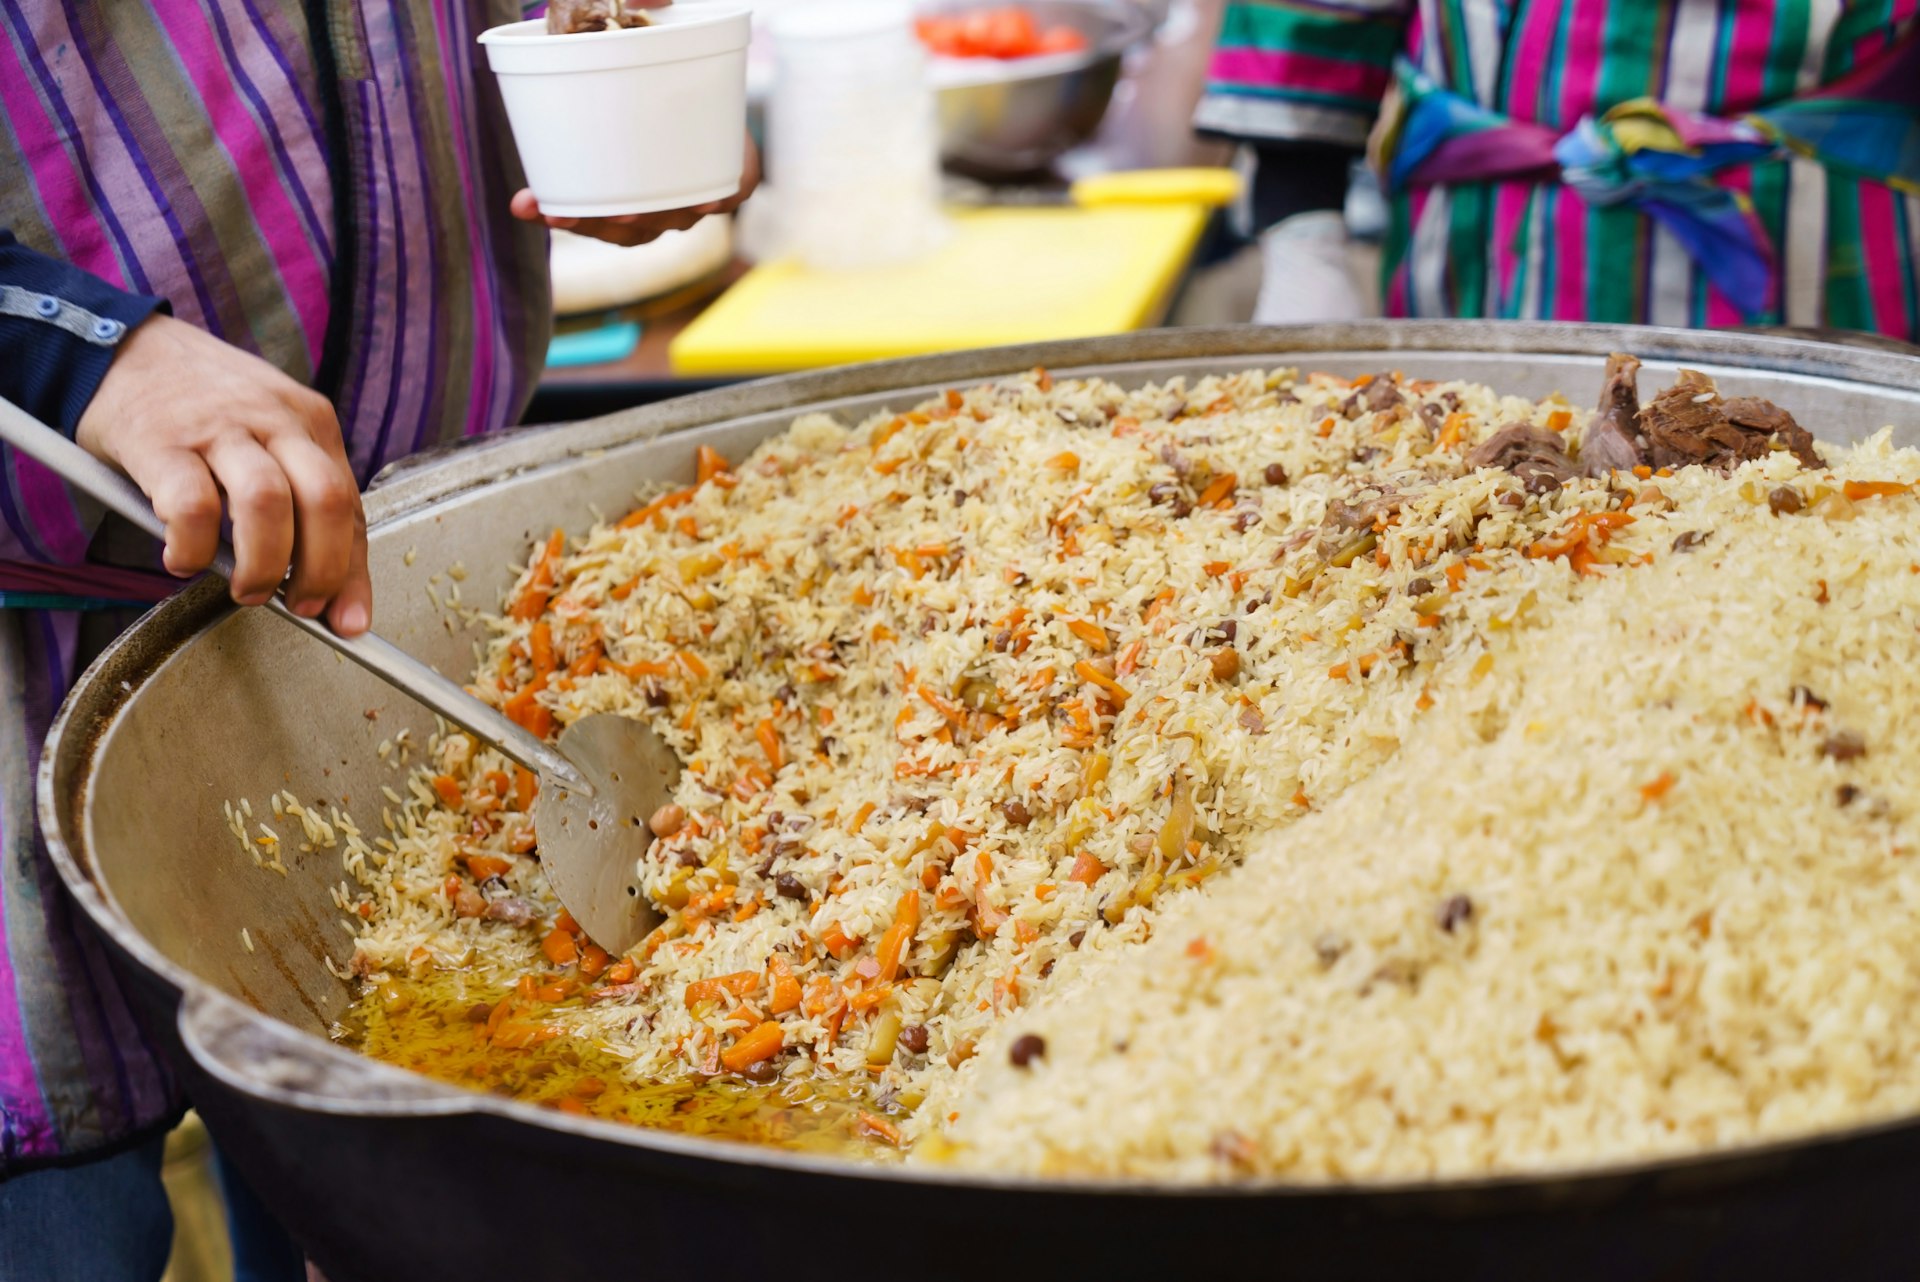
(630, 121)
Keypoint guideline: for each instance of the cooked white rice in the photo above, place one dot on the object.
(989, 643)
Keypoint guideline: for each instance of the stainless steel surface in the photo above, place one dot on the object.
(201, 703)
(591, 843)
(608, 774)
(1019, 116)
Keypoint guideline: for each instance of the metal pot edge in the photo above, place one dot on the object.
(106, 685)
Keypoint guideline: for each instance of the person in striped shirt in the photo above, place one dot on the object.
(1677, 162)
(251, 251)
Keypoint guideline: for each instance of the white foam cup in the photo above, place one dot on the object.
(629, 121)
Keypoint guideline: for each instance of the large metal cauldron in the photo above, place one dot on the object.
(386, 1175)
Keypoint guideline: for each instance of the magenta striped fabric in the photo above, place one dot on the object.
(325, 186)
(1848, 251)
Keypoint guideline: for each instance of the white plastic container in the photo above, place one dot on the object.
(630, 121)
(853, 144)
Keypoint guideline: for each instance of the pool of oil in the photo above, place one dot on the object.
(438, 1027)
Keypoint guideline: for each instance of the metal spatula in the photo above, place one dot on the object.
(598, 785)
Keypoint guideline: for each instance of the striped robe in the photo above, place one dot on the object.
(324, 185)
(1845, 251)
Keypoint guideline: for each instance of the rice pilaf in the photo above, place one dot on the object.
(1245, 720)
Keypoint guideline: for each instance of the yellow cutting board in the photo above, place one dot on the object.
(1006, 275)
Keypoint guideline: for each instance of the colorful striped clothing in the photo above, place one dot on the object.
(1845, 252)
(322, 184)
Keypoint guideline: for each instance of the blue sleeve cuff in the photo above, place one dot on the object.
(59, 327)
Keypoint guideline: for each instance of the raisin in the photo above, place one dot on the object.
(1456, 911)
(1845, 746)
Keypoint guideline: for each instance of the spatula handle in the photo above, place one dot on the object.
(374, 653)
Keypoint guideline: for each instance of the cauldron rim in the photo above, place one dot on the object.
(444, 474)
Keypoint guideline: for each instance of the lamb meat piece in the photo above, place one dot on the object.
(1686, 425)
(570, 17)
(1689, 424)
(1611, 443)
(1533, 454)
(1378, 395)
(1362, 515)
(512, 910)
(1753, 414)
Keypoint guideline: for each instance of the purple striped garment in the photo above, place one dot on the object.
(325, 186)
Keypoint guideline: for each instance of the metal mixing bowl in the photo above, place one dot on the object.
(1005, 118)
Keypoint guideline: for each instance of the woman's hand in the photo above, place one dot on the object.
(190, 419)
(639, 229)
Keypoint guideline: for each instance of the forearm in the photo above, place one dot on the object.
(59, 328)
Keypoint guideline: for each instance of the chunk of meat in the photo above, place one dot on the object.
(1611, 442)
(1752, 414)
(513, 911)
(1535, 455)
(1362, 515)
(571, 17)
(1685, 425)
(1688, 425)
(1380, 394)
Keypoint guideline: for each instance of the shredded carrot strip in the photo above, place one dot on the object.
(954, 712)
(781, 984)
(540, 648)
(1092, 633)
(532, 601)
(1659, 787)
(1873, 489)
(762, 1043)
(485, 867)
(893, 944)
(1087, 672)
(708, 463)
(740, 984)
(1086, 869)
(1219, 488)
(642, 515)
(769, 736)
(535, 718)
(593, 961)
(559, 947)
